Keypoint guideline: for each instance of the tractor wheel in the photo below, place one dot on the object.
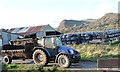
(63, 61)
(39, 57)
(7, 59)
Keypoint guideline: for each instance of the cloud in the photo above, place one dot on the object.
(104, 7)
(19, 18)
(12, 17)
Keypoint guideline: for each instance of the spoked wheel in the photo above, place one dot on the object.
(64, 61)
(39, 57)
(7, 59)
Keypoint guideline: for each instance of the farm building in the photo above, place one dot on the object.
(34, 31)
(27, 32)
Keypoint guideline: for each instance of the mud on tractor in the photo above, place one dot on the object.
(42, 50)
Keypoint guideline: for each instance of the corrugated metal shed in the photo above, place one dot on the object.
(27, 30)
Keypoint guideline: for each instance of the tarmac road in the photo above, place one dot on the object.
(81, 64)
(0, 63)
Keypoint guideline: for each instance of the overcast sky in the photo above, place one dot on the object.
(20, 13)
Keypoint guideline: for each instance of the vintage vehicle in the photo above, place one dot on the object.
(42, 50)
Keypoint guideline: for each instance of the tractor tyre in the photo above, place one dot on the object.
(7, 59)
(40, 57)
(64, 61)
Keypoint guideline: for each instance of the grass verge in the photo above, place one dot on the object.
(96, 51)
(29, 68)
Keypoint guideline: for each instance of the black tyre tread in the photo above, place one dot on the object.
(68, 59)
(9, 59)
(34, 59)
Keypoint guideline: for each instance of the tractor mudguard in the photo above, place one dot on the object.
(64, 49)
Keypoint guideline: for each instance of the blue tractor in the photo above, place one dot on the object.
(42, 50)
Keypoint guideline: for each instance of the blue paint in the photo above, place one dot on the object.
(64, 49)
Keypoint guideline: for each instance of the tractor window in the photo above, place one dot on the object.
(48, 43)
(41, 42)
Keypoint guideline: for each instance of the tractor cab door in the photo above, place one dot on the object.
(48, 43)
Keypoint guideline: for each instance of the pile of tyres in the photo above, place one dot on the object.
(86, 37)
(112, 35)
(78, 38)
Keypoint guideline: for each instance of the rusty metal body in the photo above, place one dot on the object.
(19, 48)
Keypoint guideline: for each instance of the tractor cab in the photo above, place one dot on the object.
(51, 43)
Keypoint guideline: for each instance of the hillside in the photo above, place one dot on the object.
(72, 23)
(106, 22)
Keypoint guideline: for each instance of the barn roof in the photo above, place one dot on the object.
(27, 30)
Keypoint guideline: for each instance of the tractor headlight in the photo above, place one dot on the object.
(71, 51)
